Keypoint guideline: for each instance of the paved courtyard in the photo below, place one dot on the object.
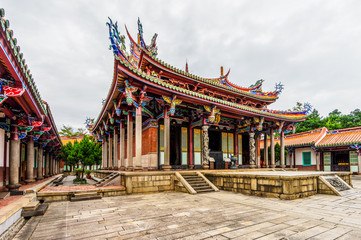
(220, 215)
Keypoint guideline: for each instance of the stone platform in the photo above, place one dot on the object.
(280, 184)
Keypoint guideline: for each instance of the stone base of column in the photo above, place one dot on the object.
(138, 169)
(29, 180)
(129, 168)
(166, 167)
(13, 187)
(258, 166)
(205, 166)
(122, 168)
(191, 166)
(283, 166)
(272, 166)
(39, 178)
(252, 166)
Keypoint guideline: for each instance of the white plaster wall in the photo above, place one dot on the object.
(2, 147)
(299, 159)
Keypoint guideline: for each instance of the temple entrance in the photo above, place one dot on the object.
(245, 149)
(175, 145)
(340, 161)
(215, 147)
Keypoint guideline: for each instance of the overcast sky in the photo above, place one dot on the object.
(312, 47)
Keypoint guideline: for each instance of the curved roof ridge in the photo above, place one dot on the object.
(306, 133)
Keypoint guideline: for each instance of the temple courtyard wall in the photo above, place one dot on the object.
(279, 184)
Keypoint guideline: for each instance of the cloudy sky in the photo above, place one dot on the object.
(312, 47)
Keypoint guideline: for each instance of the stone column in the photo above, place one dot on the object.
(282, 141)
(115, 147)
(252, 151)
(14, 161)
(30, 161)
(318, 155)
(122, 146)
(105, 153)
(50, 164)
(205, 157)
(166, 165)
(130, 141)
(47, 167)
(290, 160)
(265, 152)
(273, 162)
(40, 162)
(258, 149)
(110, 160)
(359, 161)
(138, 139)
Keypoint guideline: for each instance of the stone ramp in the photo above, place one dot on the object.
(198, 182)
(338, 186)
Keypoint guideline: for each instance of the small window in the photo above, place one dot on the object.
(306, 158)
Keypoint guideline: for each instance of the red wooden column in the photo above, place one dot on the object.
(190, 151)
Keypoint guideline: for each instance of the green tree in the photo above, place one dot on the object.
(86, 152)
(313, 121)
(68, 131)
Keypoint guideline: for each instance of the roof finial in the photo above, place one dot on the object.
(221, 70)
(187, 65)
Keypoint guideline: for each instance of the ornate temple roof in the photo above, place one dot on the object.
(341, 137)
(17, 88)
(140, 67)
(308, 138)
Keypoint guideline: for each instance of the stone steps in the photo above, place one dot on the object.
(107, 179)
(34, 209)
(197, 183)
(85, 196)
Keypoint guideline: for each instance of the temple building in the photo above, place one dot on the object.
(29, 140)
(157, 116)
(324, 150)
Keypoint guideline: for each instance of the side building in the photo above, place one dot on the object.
(324, 150)
(157, 116)
(29, 140)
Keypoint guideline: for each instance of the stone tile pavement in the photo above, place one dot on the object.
(218, 215)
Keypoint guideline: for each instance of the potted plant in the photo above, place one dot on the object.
(87, 172)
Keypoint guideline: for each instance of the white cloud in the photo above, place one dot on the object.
(312, 47)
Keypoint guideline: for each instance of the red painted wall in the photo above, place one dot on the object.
(306, 168)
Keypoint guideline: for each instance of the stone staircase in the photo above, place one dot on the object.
(103, 182)
(198, 183)
(91, 195)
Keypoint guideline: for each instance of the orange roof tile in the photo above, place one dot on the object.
(341, 137)
(302, 139)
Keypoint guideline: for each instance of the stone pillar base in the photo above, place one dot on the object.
(122, 168)
(211, 165)
(138, 169)
(13, 187)
(252, 166)
(283, 166)
(166, 167)
(39, 178)
(191, 166)
(30, 180)
(205, 166)
(272, 166)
